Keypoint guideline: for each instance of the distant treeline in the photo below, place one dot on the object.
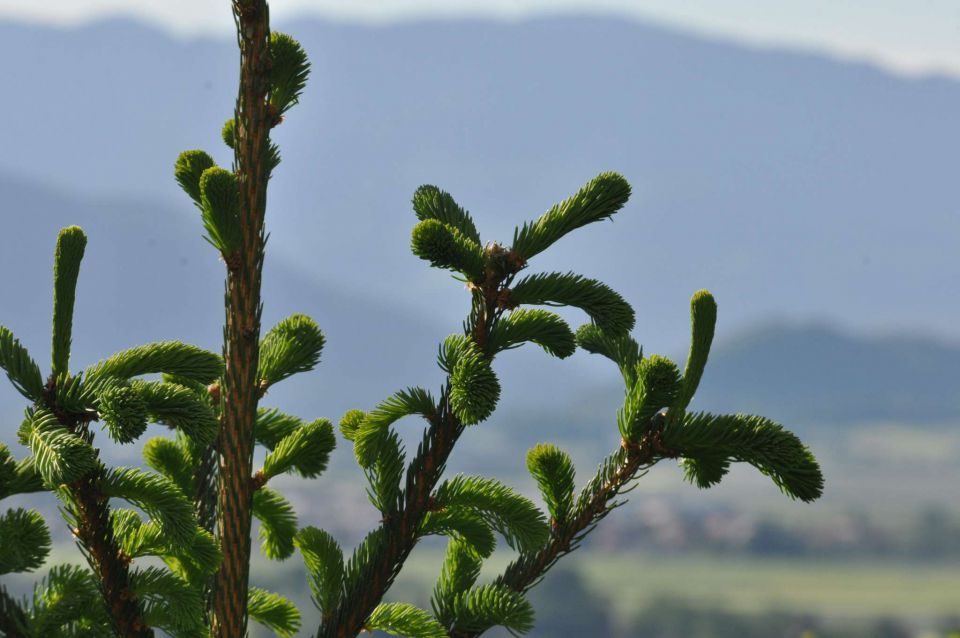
(932, 534)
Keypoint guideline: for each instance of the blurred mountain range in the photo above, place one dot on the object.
(793, 186)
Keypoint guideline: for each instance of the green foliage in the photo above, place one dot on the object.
(350, 422)
(181, 408)
(656, 387)
(291, 346)
(371, 434)
(170, 459)
(273, 426)
(489, 606)
(306, 450)
(462, 525)
(602, 196)
(544, 328)
(220, 209)
(168, 357)
(289, 69)
(168, 602)
(401, 619)
(24, 541)
(514, 516)
(68, 603)
(429, 202)
(71, 244)
(23, 479)
(354, 582)
(137, 538)
(229, 133)
(278, 523)
(553, 470)
(474, 387)
(714, 440)
(324, 561)
(385, 472)
(446, 247)
(13, 618)
(189, 168)
(461, 568)
(605, 306)
(703, 319)
(621, 349)
(156, 495)
(59, 455)
(273, 611)
(705, 472)
(124, 412)
(21, 369)
(468, 510)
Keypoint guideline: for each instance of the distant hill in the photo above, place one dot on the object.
(789, 184)
(817, 374)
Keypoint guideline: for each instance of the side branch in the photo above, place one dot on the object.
(528, 570)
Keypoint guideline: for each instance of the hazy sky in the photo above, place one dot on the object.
(912, 36)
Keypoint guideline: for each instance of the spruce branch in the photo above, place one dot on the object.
(24, 540)
(384, 474)
(168, 357)
(487, 606)
(59, 456)
(124, 412)
(553, 471)
(272, 426)
(158, 496)
(289, 70)
(13, 618)
(71, 244)
(274, 612)
(446, 247)
(179, 407)
(21, 369)
(169, 602)
(324, 561)
(171, 460)
(703, 319)
(535, 325)
(220, 210)
(462, 525)
(713, 440)
(306, 450)
(278, 523)
(605, 306)
(656, 387)
(290, 347)
(461, 568)
(429, 202)
(372, 432)
(599, 199)
(68, 600)
(512, 515)
(188, 169)
(402, 619)
(622, 349)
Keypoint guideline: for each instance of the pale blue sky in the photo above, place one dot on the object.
(909, 36)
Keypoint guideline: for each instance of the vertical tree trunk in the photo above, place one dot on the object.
(240, 390)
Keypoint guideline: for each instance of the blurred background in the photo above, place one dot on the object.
(796, 158)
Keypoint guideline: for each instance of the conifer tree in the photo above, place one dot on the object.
(193, 508)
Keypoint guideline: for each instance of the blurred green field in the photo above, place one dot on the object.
(829, 588)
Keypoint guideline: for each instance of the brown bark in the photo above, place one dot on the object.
(240, 391)
(95, 535)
